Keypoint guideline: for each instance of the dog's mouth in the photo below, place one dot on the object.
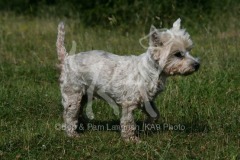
(187, 73)
(190, 72)
(184, 72)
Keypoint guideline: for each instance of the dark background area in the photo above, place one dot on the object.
(121, 12)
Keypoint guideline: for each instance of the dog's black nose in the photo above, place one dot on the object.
(196, 66)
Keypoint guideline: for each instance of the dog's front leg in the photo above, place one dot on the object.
(151, 111)
(128, 126)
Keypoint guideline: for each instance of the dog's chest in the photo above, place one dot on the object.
(156, 87)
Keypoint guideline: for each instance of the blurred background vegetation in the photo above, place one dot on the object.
(125, 13)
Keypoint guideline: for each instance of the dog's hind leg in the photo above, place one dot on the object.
(71, 100)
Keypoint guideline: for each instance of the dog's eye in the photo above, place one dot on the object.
(179, 54)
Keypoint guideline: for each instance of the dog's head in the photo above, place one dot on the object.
(170, 48)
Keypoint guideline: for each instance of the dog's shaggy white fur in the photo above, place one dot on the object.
(130, 82)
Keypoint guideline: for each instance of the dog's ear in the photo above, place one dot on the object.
(177, 24)
(154, 39)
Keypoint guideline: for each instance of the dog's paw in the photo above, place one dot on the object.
(73, 134)
(133, 139)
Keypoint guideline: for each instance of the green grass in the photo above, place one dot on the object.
(207, 103)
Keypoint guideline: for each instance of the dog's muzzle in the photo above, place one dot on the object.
(196, 66)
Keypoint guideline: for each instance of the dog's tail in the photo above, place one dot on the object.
(61, 50)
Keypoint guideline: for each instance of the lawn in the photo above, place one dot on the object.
(200, 114)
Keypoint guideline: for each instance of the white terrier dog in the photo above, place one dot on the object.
(129, 82)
